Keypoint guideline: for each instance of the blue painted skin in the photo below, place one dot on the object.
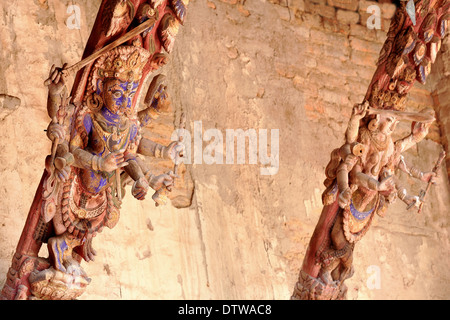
(123, 101)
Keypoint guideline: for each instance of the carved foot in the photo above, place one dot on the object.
(60, 251)
(51, 284)
(57, 249)
(346, 273)
(309, 288)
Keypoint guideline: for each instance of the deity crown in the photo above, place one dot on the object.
(125, 63)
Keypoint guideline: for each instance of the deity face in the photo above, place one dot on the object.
(387, 125)
(118, 96)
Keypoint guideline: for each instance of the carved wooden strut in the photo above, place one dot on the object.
(97, 136)
(360, 175)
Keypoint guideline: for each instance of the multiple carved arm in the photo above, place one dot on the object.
(350, 173)
(81, 158)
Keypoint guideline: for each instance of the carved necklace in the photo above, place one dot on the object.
(114, 137)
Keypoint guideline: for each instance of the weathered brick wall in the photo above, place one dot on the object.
(341, 54)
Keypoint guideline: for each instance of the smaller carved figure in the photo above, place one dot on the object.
(360, 183)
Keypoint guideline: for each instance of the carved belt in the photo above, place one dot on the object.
(356, 223)
(358, 214)
(83, 213)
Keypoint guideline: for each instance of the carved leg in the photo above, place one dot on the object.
(346, 267)
(60, 250)
(65, 279)
(326, 273)
(343, 250)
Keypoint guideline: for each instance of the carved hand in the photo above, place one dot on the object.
(412, 200)
(344, 198)
(164, 180)
(55, 131)
(113, 161)
(420, 130)
(359, 110)
(429, 177)
(140, 188)
(174, 151)
(55, 81)
(63, 174)
(386, 184)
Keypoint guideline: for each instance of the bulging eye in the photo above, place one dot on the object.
(117, 94)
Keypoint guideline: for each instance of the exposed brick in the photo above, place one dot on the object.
(297, 5)
(348, 17)
(323, 80)
(421, 96)
(364, 45)
(362, 32)
(328, 38)
(299, 82)
(381, 36)
(336, 67)
(310, 92)
(356, 86)
(364, 58)
(364, 15)
(286, 70)
(314, 108)
(302, 32)
(337, 46)
(364, 4)
(366, 72)
(308, 61)
(385, 24)
(335, 26)
(388, 10)
(283, 12)
(324, 51)
(344, 4)
(308, 20)
(334, 96)
(356, 98)
(320, 9)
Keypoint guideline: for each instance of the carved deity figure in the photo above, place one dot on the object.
(97, 146)
(360, 184)
(104, 143)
